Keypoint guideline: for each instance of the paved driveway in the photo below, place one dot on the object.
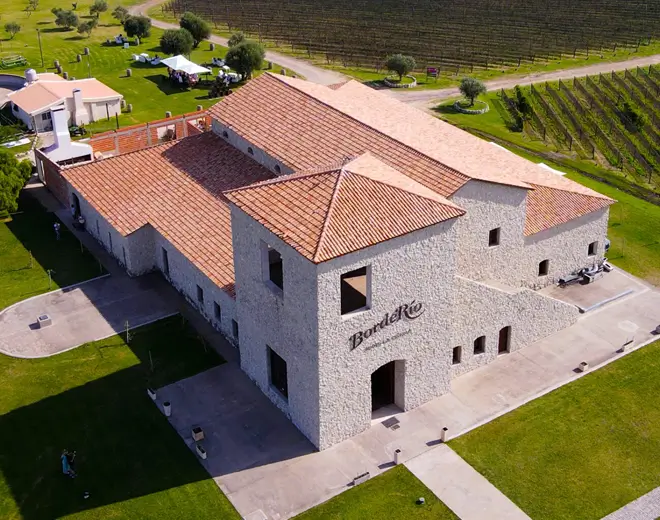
(86, 312)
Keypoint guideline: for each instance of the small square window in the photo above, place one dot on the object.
(456, 355)
(217, 311)
(480, 345)
(250, 150)
(544, 266)
(225, 134)
(593, 249)
(46, 116)
(278, 373)
(200, 294)
(494, 237)
(278, 170)
(355, 290)
(234, 329)
(166, 260)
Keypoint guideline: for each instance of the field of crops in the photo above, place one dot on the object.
(454, 35)
(611, 118)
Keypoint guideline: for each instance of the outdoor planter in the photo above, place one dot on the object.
(197, 434)
(443, 434)
(200, 451)
(151, 393)
(397, 456)
(584, 366)
(361, 478)
(44, 321)
(167, 408)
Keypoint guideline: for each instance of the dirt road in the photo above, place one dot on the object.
(310, 72)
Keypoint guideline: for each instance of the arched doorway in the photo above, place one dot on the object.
(387, 384)
(75, 205)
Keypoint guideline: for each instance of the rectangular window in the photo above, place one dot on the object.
(494, 237)
(480, 345)
(544, 266)
(275, 272)
(456, 355)
(217, 312)
(200, 294)
(46, 116)
(278, 375)
(110, 241)
(355, 290)
(504, 343)
(166, 261)
(593, 249)
(234, 329)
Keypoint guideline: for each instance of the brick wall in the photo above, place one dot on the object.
(50, 174)
(137, 137)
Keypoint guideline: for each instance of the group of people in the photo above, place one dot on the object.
(121, 40)
(182, 78)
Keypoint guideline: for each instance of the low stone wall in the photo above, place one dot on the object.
(393, 84)
(462, 110)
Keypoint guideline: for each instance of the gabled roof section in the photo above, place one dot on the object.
(326, 214)
(302, 130)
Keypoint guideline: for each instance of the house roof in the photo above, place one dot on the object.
(304, 124)
(46, 92)
(176, 188)
(329, 213)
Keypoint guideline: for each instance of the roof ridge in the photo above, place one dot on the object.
(594, 195)
(414, 150)
(326, 221)
(282, 178)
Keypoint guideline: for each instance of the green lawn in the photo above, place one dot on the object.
(392, 495)
(634, 222)
(92, 399)
(447, 78)
(582, 451)
(147, 90)
(31, 230)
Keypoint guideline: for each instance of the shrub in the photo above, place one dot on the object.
(472, 88)
(245, 57)
(199, 29)
(400, 64)
(634, 115)
(67, 19)
(139, 26)
(12, 28)
(176, 41)
(13, 176)
(235, 39)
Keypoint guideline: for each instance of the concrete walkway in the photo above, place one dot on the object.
(646, 507)
(268, 470)
(464, 490)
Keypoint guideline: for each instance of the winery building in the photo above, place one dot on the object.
(358, 252)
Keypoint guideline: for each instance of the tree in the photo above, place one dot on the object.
(472, 88)
(67, 19)
(56, 10)
(32, 6)
(87, 27)
(522, 103)
(98, 7)
(120, 13)
(637, 118)
(13, 176)
(245, 57)
(139, 26)
(235, 39)
(400, 64)
(12, 28)
(199, 29)
(176, 41)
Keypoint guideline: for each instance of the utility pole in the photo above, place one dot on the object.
(41, 50)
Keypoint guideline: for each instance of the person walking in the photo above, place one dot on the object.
(71, 459)
(64, 459)
(56, 227)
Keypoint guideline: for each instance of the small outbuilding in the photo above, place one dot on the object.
(86, 100)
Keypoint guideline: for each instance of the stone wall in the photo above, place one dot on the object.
(418, 267)
(284, 320)
(483, 309)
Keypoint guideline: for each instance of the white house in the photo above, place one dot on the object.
(360, 253)
(86, 100)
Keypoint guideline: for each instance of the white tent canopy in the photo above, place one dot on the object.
(182, 64)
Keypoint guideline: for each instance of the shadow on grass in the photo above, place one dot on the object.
(56, 30)
(445, 109)
(75, 38)
(169, 87)
(44, 23)
(125, 447)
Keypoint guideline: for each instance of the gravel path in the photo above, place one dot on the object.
(646, 507)
(310, 72)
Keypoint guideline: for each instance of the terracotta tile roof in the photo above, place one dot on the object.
(176, 188)
(549, 207)
(302, 132)
(327, 214)
(46, 92)
(304, 124)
